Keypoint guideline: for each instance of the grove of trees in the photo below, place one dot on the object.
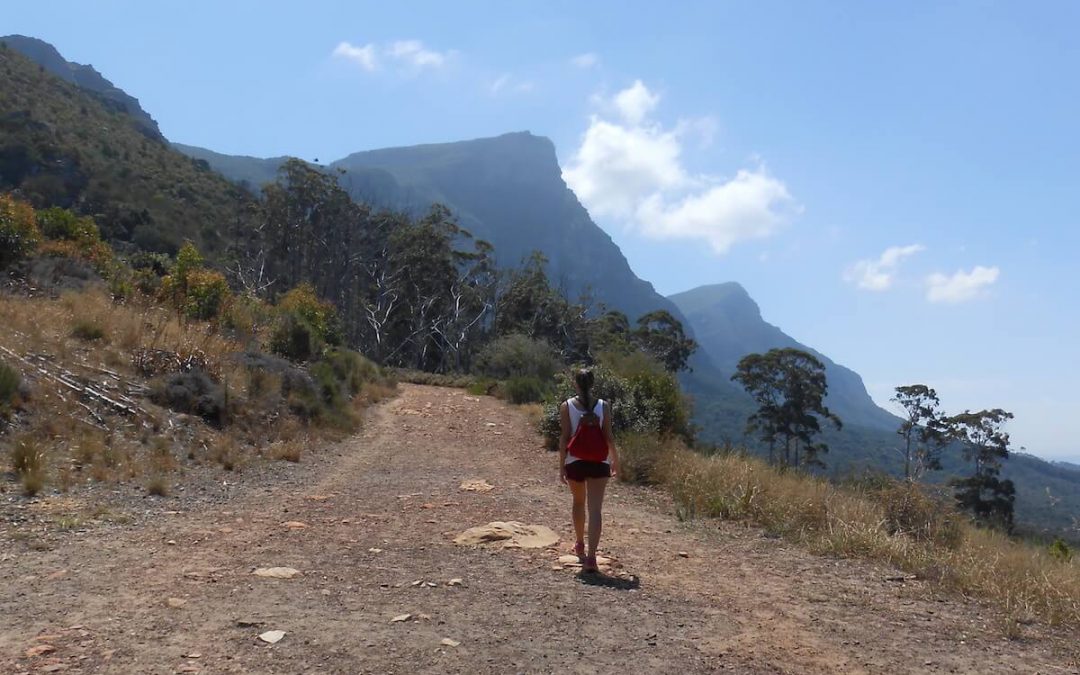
(981, 439)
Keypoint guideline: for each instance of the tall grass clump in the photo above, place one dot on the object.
(28, 461)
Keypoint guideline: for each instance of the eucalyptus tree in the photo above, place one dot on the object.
(789, 386)
(923, 430)
(986, 444)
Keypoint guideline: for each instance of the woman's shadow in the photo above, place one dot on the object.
(608, 581)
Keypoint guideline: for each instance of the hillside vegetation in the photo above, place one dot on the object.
(135, 370)
(60, 146)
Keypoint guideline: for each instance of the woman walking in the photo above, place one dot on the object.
(587, 459)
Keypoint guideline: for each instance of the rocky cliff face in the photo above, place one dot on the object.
(509, 190)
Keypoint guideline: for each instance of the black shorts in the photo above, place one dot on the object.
(579, 470)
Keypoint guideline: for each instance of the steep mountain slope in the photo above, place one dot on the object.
(66, 146)
(728, 324)
(83, 76)
(509, 191)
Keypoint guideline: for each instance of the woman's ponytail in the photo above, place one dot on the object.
(584, 379)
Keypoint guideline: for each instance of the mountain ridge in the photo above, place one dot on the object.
(86, 77)
(728, 323)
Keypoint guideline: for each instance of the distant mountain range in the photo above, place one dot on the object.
(507, 190)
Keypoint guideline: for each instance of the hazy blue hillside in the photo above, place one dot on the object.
(728, 324)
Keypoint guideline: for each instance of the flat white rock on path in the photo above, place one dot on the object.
(272, 636)
(277, 572)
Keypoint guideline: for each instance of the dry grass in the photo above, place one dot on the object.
(899, 525)
(28, 462)
(376, 392)
(288, 451)
(534, 412)
(158, 486)
(88, 334)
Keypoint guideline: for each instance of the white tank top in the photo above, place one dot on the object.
(575, 418)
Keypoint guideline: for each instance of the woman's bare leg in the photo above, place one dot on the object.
(577, 488)
(595, 489)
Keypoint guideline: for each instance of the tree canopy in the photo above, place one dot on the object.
(789, 387)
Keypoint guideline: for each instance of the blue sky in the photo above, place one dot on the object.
(896, 184)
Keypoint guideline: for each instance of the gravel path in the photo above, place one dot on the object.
(378, 513)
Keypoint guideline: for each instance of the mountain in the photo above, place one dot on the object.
(485, 183)
(63, 144)
(84, 77)
(727, 323)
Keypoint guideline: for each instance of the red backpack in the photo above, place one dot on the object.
(589, 443)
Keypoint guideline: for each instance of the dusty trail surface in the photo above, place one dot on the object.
(374, 515)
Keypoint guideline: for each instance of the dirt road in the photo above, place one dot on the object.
(378, 513)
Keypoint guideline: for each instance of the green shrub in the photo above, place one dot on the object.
(1059, 550)
(454, 380)
(518, 356)
(63, 225)
(482, 387)
(350, 369)
(646, 400)
(244, 315)
(10, 382)
(319, 315)
(331, 383)
(87, 330)
(193, 393)
(520, 390)
(294, 338)
(19, 233)
(207, 294)
(148, 271)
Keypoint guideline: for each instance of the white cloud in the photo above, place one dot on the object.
(362, 56)
(635, 103)
(878, 275)
(632, 170)
(415, 54)
(506, 82)
(410, 53)
(586, 60)
(961, 286)
(617, 167)
(723, 215)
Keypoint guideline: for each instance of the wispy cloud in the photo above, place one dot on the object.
(507, 83)
(878, 274)
(364, 57)
(585, 61)
(411, 54)
(631, 168)
(415, 54)
(960, 286)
